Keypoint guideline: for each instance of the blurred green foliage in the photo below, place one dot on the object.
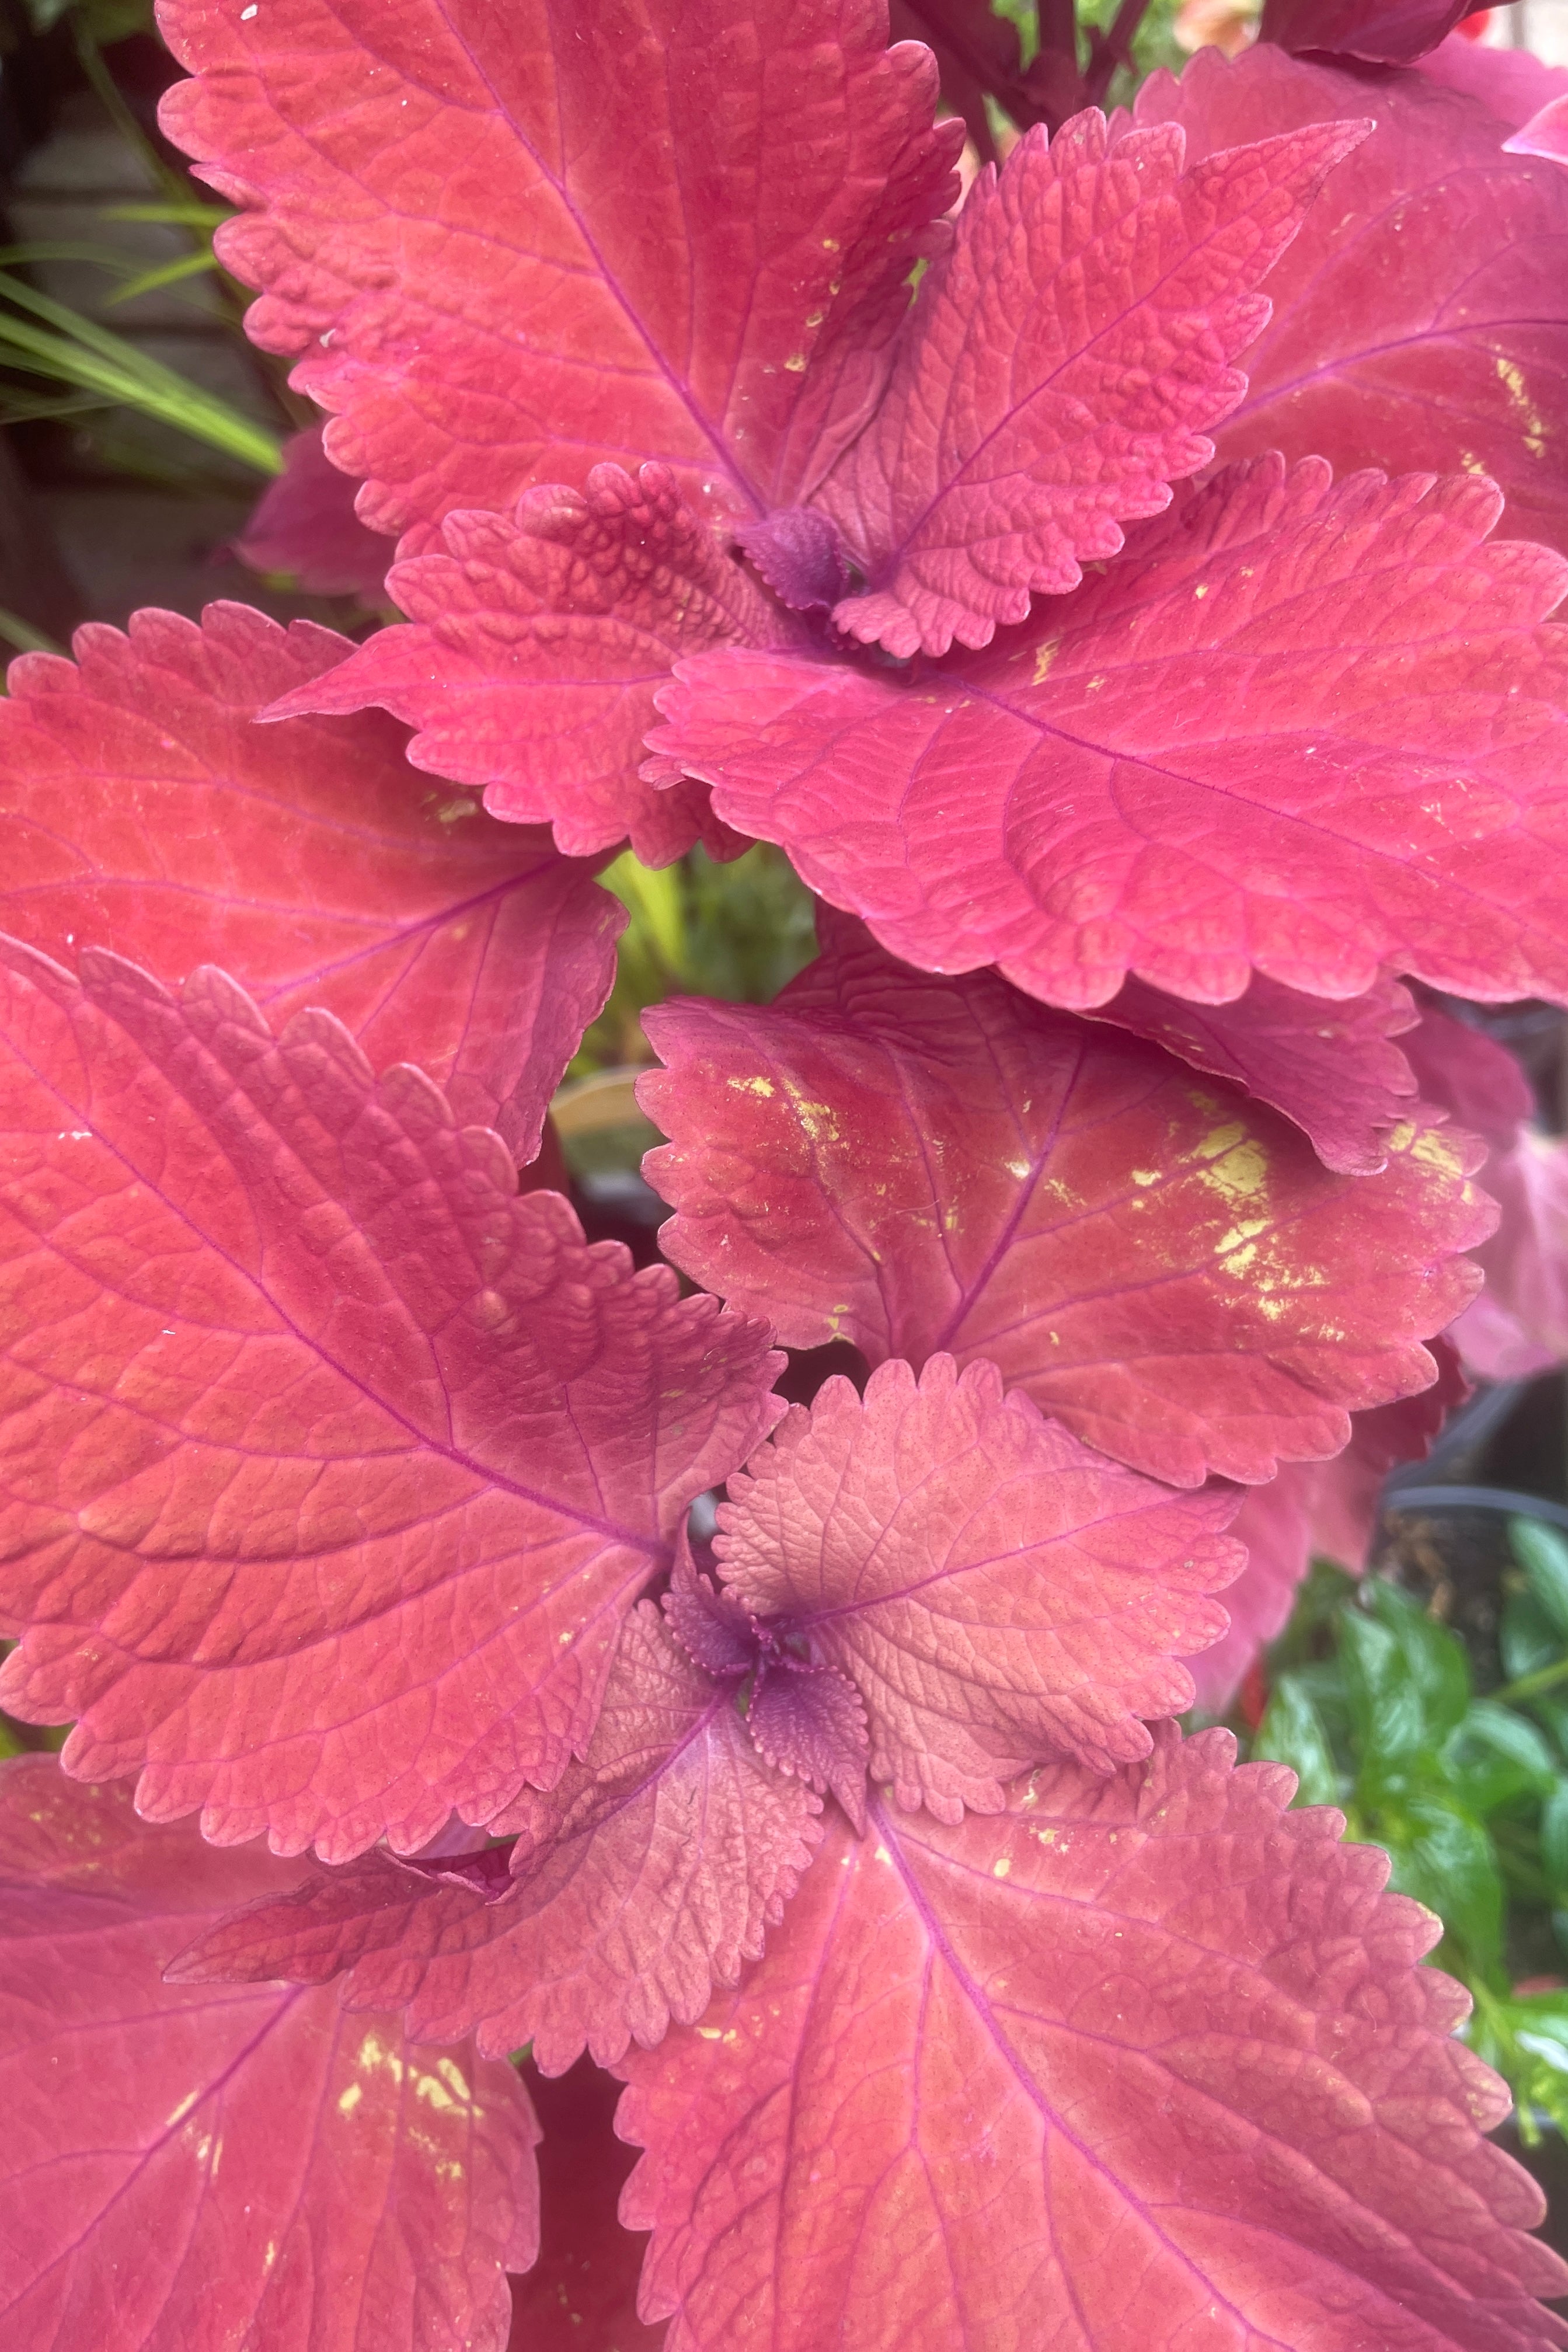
(24, 1739)
(1155, 43)
(1371, 1705)
(699, 928)
(107, 20)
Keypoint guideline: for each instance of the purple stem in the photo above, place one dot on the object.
(1058, 29)
(1111, 48)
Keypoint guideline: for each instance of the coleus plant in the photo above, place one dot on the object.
(1016, 567)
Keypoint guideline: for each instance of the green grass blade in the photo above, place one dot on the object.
(17, 409)
(60, 249)
(168, 273)
(170, 216)
(21, 637)
(654, 900)
(99, 360)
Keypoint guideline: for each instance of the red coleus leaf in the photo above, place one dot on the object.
(140, 809)
(810, 1721)
(192, 2168)
(996, 1593)
(535, 644)
(333, 1463)
(1140, 2062)
(1462, 1071)
(713, 1629)
(800, 555)
(1302, 729)
(1421, 318)
(1276, 1524)
(1345, 1508)
(306, 524)
(1333, 1069)
(1545, 133)
(1060, 370)
(512, 244)
(919, 1164)
(807, 1719)
(1381, 32)
(1512, 84)
(979, 55)
(1519, 1325)
(581, 2294)
(641, 1881)
(1316, 1510)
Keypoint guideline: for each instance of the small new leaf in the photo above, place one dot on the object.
(996, 1593)
(1064, 361)
(642, 1880)
(534, 647)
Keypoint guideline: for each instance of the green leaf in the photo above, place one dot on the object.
(1468, 1796)
(107, 20)
(1525, 1637)
(1552, 1710)
(1525, 2037)
(1315, 1616)
(736, 930)
(1387, 1716)
(1292, 1733)
(1445, 1860)
(752, 924)
(1495, 1756)
(1407, 1680)
(1554, 1836)
(652, 896)
(176, 216)
(1436, 1659)
(1543, 1553)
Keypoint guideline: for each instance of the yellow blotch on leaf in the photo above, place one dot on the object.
(445, 2089)
(1238, 1166)
(374, 2053)
(1511, 377)
(1434, 1148)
